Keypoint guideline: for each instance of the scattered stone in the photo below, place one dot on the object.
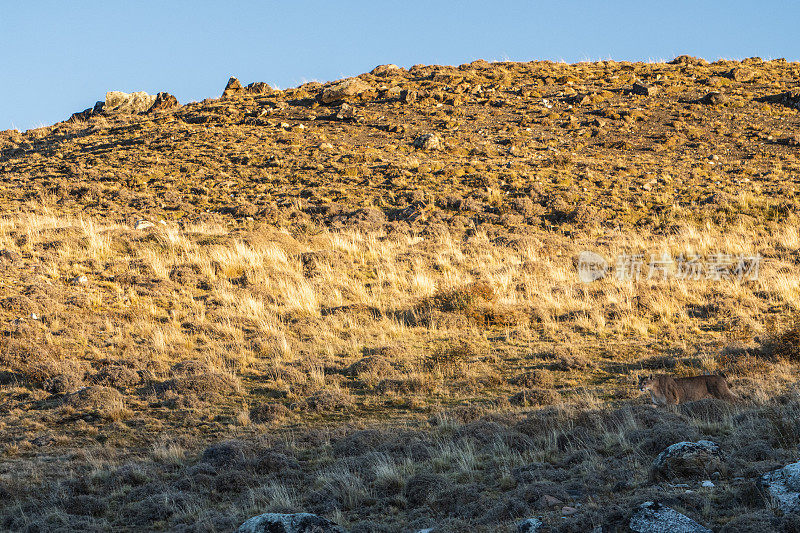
(784, 487)
(7, 256)
(741, 74)
(530, 525)
(707, 484)
(385, 70)
(143, 224)
(688, 60)
(232, 88)
(714, 98)
(428, 141)
(394, 92)
(81, 116)
(258, 87)
(118, 102)
(343, 90)
(345, 112)
(688, 460)
(289, 523)
(549, 501)
(408, 97)
(568, 510)
(164, 102)
(79, 280)
(643, 89)
(656, 518)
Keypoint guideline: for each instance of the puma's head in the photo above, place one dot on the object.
(646, 382)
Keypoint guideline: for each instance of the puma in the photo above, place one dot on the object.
(666, 390)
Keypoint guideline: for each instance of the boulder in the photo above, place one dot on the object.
(693, 460)
(343, 90)
(232, 88)
(656, 518)
(289, 523)
(530, 525)
(118, 102)
(81, 116)
(258, 87)
(688, 60)
(385, 70)
(714, 98)
(741, 74)
(164, 102)
(428, 141)
(783, 486)
(643, 89)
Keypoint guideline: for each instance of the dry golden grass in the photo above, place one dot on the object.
(389, 336)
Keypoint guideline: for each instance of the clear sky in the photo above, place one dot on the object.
(60, 56)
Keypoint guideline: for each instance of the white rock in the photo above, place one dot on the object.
(289, 523)
(708, 484)
(120, 102)
(784, 487)
(143, 224)
(530, 525)
(656, 518)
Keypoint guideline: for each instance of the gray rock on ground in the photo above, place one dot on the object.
(656, 518)
(783, 486)
(689, 460)
(343, 90)
(530, 525)
(643, 89)
(428, 141)
(289, 523)
(385, 70)
(120, 102)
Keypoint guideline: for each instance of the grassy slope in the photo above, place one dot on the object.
(310, 282)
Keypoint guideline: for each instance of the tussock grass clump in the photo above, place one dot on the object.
(450, 358)
(784, 344)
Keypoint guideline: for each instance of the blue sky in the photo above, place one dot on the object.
(60, 57)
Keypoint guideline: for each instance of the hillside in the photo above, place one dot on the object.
(363, 299)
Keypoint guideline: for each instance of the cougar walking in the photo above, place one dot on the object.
(666, 390)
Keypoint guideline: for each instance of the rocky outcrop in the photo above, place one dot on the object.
(163, 102)
(783, 486)
(656, 518)
(258, 87)
(343, 90)
(232, 88)
(289, 523)
(385, 70)
(688, 460)
(120, 103)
